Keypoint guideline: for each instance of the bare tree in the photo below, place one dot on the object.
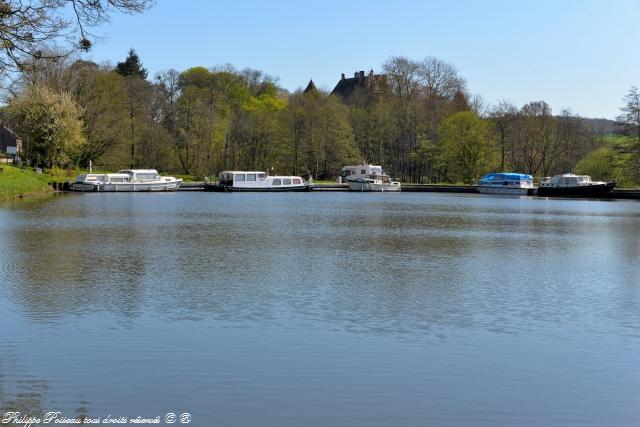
(27, 27)
(504, 116)
(630, 117)
(441, 79)
(404, 77)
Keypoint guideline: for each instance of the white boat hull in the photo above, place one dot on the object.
(367, 186)
(523, 191)
(126, 187)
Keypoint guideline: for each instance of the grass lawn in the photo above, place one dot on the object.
(16, 182)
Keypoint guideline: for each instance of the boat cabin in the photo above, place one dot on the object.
(568, 180)
(140, 175)
(359, 171)
(243, 178)
(511, 179)
(376, 178)
(107, 178)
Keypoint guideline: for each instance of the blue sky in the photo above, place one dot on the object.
(582, 55)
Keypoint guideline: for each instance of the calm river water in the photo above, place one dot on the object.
(322, 309)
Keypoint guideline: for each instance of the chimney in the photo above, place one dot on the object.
(361, 74)
(355, 75)
(342, 76)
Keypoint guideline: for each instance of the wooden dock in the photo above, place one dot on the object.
(330, 187)
(191, 186)
(615, 194)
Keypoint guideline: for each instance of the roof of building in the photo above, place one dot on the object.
(311, 87)
(371, 82)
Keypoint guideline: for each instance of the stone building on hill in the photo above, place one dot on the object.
(360, 88)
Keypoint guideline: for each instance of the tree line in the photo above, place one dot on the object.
(419, 121)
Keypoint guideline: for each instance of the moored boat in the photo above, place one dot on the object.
(356, 172)
(127, 180)
(373, 182)
(257, 181)
(506, 183)
(570, 185)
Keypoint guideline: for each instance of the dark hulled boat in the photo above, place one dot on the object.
(570, 185)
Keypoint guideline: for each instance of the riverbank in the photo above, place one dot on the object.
(16, 183)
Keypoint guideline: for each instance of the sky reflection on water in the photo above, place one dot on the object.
(323, 309)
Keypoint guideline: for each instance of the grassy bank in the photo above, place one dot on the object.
(16, 183)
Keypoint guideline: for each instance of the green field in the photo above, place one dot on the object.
(16, 183)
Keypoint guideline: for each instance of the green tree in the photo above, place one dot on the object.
(320, 134)
(138, 90)
(132, 66)
(600, 164)
(50, 124)
(103, 96)
(467, 147)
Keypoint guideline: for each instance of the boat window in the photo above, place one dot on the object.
(276, 182)
(146, 176)
(286, 181)
(262, 176)
(239, 177)
(573, 181)
(251, 177)
(296, 181)
(363, 171)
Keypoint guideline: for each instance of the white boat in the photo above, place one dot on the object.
(506, 183)
(125, 180)
(570, 185)
(373, 182)
(356, 172)
(366, 177)
(257, 181)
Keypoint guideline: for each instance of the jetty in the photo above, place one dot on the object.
(625, 194)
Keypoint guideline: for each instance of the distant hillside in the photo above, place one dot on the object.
(602, 126)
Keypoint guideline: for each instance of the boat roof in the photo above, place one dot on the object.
(364, 164)
(138, 171)
(567, 175)
(243, 172)
(509, 175)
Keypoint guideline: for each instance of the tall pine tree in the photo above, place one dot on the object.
(132, 66)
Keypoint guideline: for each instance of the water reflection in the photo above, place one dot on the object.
(383, 301)
(390, 264)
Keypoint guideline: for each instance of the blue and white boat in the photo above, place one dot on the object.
(506, 183)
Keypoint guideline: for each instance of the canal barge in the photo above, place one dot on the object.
(570, 185)
(257, 181)
(127, 180)
(506, 183)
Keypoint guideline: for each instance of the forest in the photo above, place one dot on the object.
(419, 121)
(417, 117)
